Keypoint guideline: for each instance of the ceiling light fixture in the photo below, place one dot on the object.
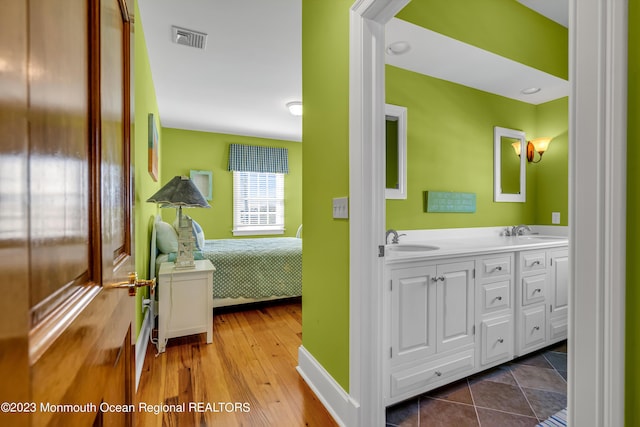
(398, 48)
(530, 90)
(295, 108)
(538, 145)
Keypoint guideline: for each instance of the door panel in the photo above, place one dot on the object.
(65, 337)
(455, 305)
(413, 318)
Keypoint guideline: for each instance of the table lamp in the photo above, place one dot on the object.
(178, 193)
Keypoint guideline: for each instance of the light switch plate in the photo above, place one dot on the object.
(341, 207)
(555, 217)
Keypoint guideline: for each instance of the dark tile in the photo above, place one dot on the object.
(545, 403)
(438, 413)
(491, 418)
(539, 378)
(557, 360)
(404, 414)
(456, 392)
(504, 397)
(535, 359)
(501, 374)
(560, 347)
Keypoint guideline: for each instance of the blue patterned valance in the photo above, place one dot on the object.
(251, 158)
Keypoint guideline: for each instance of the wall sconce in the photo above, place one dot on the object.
(538, 145)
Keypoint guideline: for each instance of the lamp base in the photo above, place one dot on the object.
(186, 243)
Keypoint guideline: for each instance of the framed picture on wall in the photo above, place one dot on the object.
(153, 148)
(204, 181)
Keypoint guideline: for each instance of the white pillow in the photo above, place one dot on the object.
(166, 238)
(198, 233)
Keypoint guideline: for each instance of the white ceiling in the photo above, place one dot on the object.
(252, 64)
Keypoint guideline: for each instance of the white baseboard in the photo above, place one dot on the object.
(340, 405)
(141, 344)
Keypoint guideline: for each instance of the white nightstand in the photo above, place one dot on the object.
(185, 301)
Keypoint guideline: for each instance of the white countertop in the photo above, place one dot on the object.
(471, 242)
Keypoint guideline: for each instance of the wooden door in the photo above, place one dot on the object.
(65, 213)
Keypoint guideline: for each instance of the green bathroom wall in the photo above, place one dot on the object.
(325, 163)
(505, 27)
(185, 150)
(632, 368)
(551, 175)
(450, 148)
(145, 103)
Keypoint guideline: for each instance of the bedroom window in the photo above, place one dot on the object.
(258, 203)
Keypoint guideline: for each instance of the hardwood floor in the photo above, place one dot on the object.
(247, 377)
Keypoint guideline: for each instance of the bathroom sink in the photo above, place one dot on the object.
(411, 248)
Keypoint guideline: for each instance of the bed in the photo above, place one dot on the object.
(247, 270)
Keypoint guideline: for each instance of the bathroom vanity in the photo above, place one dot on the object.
(461, 301)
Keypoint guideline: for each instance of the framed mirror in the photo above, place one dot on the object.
(509, 167)
(396, 152)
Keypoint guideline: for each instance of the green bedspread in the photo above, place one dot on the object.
(256, 268)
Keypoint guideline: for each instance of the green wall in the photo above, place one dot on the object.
(325, 163)
(504, 27)
(632, 373)
(145, 103)
(184, 150)
(551, 175)
(450, 148)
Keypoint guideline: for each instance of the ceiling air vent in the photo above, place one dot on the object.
(189, 37)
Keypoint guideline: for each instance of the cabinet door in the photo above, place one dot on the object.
(455, 305)
(559, 282)
(413, 314)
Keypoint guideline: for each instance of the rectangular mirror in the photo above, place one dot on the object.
(396, 152)
(509, 167)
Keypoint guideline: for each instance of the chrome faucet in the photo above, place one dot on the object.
(395, 234)
(518, 230)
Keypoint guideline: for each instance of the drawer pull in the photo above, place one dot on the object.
(536, 262)
(438, 374)
(437, 279)
(499, 298)
(500, 340)
(537, 290)
(499, 268)
(537, 328)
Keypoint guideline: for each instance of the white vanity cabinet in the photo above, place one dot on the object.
(430, 316)
(447, 317)
(542, 294)
(494, 305)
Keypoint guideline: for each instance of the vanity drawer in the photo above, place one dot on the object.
(533, 261)
(496, 296)
(494, 267)
(428, 376)
(534, 289)
(497, 339)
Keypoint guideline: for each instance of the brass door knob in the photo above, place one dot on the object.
(132, 284)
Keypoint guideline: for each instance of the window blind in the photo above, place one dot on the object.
(251, 158)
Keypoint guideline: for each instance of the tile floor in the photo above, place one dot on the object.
(520, 393)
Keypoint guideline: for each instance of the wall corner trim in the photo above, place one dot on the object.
(340, 405)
